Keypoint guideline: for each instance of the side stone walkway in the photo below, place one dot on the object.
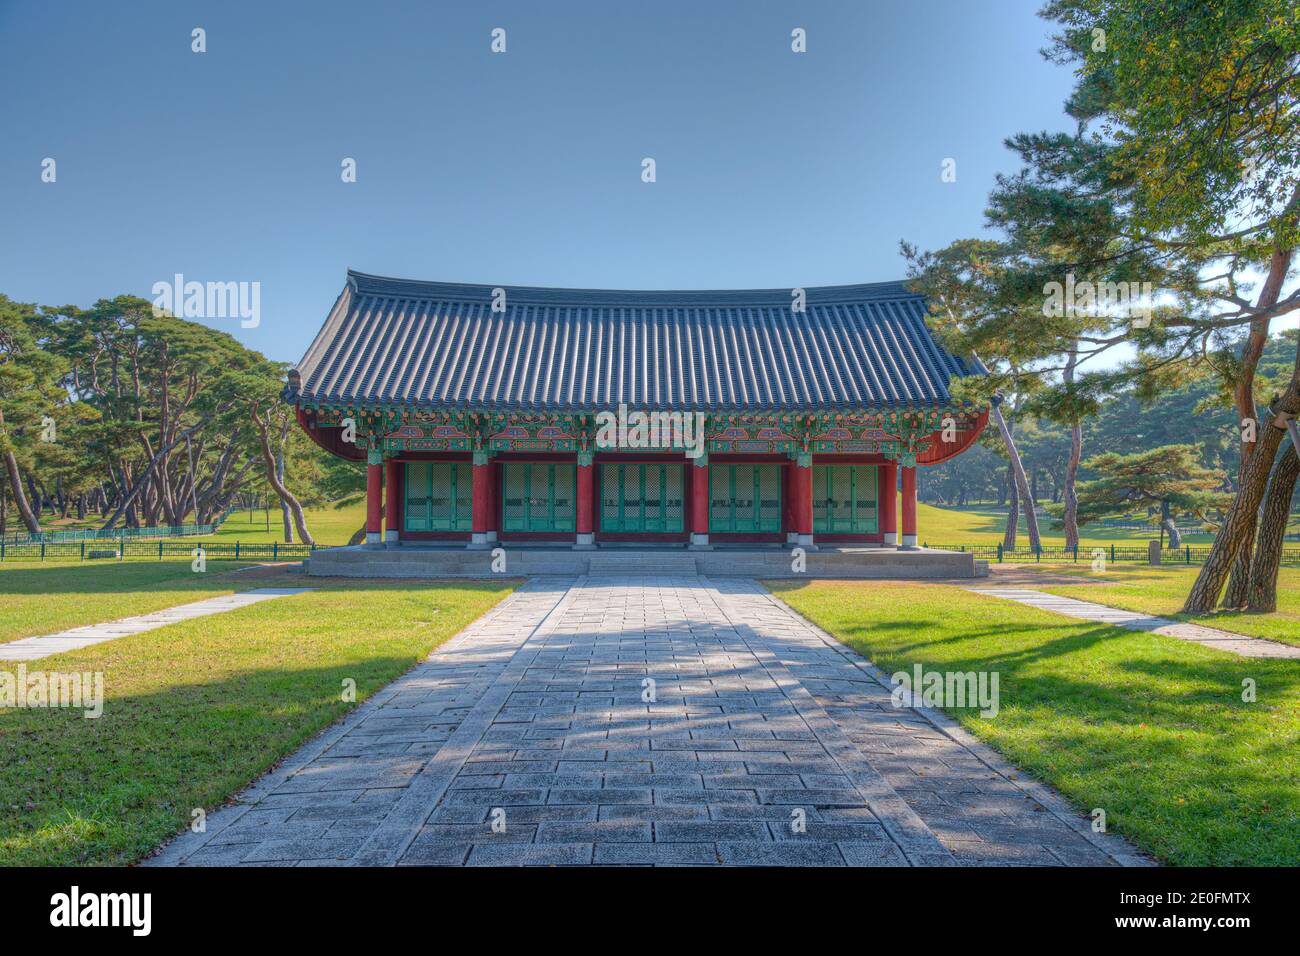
(1238, 644)
(34, 648)
(644, 720)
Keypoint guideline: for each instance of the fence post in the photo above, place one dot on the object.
(1189, 554)
(121, 548)
(83, 550)
(1076, 553)
(236, 550)
(42, 549)
(1112, 552)
(275, 550)
(160, 549)
(999, 552)
(1038, 554)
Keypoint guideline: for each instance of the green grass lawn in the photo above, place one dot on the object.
(328, 525)
(1150, 728)
(976, 524)
(196, 710)
(1162, 591)
(42, 598)
(986, 524)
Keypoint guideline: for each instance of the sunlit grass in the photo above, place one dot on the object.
(1152, 729)
(196, 710)
(976, 524)
(986, 524)
(1162, 591)
(43, 598)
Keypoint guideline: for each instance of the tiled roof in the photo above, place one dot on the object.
(439, 344)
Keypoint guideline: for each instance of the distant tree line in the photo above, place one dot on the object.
(1166, 224)
(122, 417)
(1197, 413)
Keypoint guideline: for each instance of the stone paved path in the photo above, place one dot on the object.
(34, 648)
(1136, 621)
(534, 717)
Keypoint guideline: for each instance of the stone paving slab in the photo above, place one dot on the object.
(1238, 644)
(34, 648)
(642, 720)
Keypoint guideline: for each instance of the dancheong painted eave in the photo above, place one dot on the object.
(399, 342)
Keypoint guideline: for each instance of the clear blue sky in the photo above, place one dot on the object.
(774, 168)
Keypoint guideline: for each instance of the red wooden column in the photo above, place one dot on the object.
(480, 501)
(494, 501)
(909, 508)
(802, 501)
(393, 503)
(787, 496)
(889, 502)
(374, 498)
(585, 524)
(698, 469)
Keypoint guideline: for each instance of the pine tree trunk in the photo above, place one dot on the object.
(1070, 518)
(286, 496)
(1241, 515)
(127, 505)
(20, 499)
(1018, 470)
(1244, 400)
(1262, 594)
(285, 518)
(1234, 596)
(1013, 514)
(1167, 524)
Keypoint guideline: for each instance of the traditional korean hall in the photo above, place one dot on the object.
(478, 410)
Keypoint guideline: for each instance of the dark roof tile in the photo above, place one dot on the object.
(439, 344)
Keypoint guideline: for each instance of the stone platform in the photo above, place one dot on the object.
(522, 559)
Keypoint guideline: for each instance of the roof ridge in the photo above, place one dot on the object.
(367, 284)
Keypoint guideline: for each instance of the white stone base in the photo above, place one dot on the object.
(909, 543)
(584, 541)
(805, 541)
(374, 539)
(478, 541)
(791, 537)
(491, 537)
(700, 542)
(392, 539)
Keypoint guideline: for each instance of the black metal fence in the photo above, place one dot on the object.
(161, 550)
(1086, 554)
(109, 536)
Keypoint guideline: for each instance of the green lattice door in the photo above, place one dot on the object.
(439, 496)
(537, 496)
(844, 499)
(641, 499)
(745, 499)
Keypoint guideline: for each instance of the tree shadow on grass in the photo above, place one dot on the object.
(178, 577)
(77, 791)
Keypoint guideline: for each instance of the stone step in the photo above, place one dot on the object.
(641, 562)
(518, 559)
